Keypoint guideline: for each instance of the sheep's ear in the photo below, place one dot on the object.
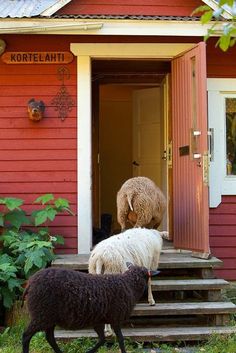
(129, 265)
(153, 273)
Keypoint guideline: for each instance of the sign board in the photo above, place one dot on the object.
(53, 57)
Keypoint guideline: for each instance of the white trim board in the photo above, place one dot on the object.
(220, 183)
(85, 52)
(107, 27)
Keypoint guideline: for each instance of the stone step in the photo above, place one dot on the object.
(156, 334)
(192, 308)
(188, 284)
(167, 261)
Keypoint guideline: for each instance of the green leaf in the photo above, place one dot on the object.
(14, 283)
(224, 42)
(199, 9)
(13, 203)
(28, 265)
(51, 213)
(226, 2)
(206, 17)
(40, 217)
(44, 198)
(1, 219)
(232, 42)
(8, 297)
(58, 239)
(38, 261)
(60, 202)
(17, 218)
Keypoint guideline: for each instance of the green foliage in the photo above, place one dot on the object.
(26, 247)
(10, 285)
(228, 29)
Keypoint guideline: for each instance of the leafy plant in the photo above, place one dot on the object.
(228, 29)
(10, 285)
(26, 247)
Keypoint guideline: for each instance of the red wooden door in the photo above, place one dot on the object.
(190, 161)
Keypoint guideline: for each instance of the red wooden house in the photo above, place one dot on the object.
(130, 88)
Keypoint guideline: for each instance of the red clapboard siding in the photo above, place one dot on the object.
(223, 230)
(39, 157)
(35, 144)
(42, 187)
(40, 176)
(21, 166)
(39, 133)
(220, 64)
(131, 7)
(31, 197)
(47, 122)
(223, 236)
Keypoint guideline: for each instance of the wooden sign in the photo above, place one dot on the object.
(53, 57)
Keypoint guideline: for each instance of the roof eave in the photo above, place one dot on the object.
(105, 27)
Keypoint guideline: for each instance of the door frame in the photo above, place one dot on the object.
(85, 52)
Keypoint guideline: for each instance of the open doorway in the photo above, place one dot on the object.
(131, 131)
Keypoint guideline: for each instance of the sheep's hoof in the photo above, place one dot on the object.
(165, 235)
(109, 333)
(152, 303)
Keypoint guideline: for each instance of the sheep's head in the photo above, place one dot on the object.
(149, 273)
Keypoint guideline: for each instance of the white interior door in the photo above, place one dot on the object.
(148, 137)
(147, 133)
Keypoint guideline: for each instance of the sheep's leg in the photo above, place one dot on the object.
(165, 235)
(100, 331)
(122, 211)
(120, 338)
(51, 340)
(151, 300)
(27, 335)
(108, 330)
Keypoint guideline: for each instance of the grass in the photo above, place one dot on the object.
(10, 342)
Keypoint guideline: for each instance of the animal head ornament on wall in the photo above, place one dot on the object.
(2, 46)
(35, 109)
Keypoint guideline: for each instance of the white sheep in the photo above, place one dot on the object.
(140, 202)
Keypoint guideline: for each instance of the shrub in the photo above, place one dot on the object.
(26, 247)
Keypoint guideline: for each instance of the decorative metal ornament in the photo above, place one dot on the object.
(62, 101)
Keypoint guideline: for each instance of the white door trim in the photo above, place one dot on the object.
(85, 52)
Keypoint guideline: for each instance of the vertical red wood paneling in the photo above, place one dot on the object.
(190, 199)
(38, 157)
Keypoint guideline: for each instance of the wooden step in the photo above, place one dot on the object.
(203, 308)
(155, 334)
(188, 284)
(167, 261)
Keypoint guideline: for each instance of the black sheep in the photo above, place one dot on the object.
(74, 300)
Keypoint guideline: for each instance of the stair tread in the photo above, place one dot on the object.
(155, 333)
(188, 284)
(167, 261)
(144, 309)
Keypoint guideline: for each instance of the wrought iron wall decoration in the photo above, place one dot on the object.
(62, 101)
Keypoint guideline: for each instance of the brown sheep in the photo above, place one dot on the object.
(141, 203)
